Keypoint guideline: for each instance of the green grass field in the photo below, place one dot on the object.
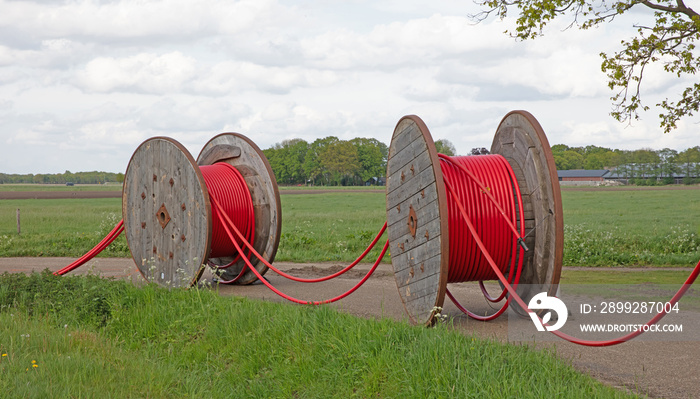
(602, 227)
(641, 227)
(61, 187)
(65, 227)
(82, 336)
(334, 188)
(330, 227)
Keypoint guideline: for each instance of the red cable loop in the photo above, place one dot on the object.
(236, 233)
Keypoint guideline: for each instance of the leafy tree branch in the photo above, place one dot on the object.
(670, 42)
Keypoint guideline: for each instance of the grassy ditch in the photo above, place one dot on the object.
(84, 336)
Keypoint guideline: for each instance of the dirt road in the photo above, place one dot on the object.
(657, 369)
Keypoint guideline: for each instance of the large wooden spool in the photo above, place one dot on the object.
(168, 214)
(416, 205)
(241, 153)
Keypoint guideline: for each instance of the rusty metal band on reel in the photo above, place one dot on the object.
(417, 211)
(167, 209)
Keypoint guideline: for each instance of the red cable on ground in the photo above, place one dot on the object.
(228, 225)
(94, 251)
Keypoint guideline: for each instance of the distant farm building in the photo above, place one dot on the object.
(375, 181)
(582, 176)
(676, 173)
(637, 173)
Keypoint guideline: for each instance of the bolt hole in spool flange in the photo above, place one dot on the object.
(167, 209)
(416, 193)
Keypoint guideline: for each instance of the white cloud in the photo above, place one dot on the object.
(145, 73)
(82, 82)
(230, 76)
(169, 116)
(168, 20)
(402, 44)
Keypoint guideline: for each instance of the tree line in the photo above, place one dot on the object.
(93, 177)
(594, 157)
(325, 161)
(331, 161)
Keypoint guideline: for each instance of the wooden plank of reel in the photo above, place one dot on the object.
(417, 211)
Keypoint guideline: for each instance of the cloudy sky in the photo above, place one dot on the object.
(83, 83)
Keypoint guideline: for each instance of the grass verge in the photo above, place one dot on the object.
(90, 337)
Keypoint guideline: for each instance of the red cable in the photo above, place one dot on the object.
(513, 294)
(94, 251)
(225, 182)
(229, 224)
(491, 193)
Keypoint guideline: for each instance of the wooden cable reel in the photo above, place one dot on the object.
(168, 213)
(417, 211)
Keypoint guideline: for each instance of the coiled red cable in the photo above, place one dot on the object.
(487, 187)
(226, 183)
(467, 263)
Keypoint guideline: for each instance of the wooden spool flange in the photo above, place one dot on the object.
(417, 211)
(167, 213)
(520, 139)
(167, 210)
(241, 153)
